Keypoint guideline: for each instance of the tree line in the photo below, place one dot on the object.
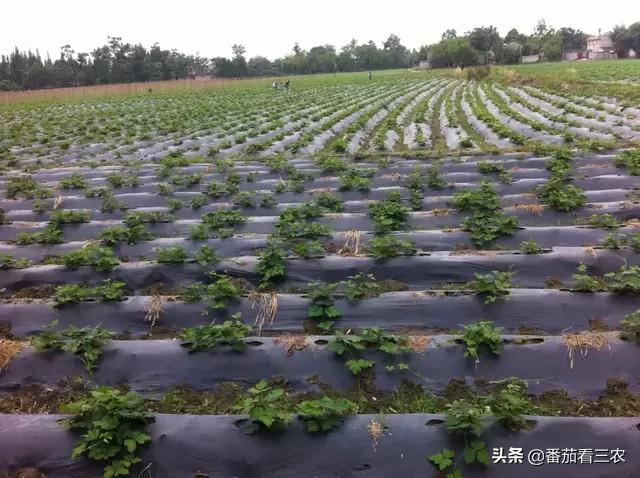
(121, 62)
(485, 45)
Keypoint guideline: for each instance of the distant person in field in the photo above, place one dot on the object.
(461, 66)
(286, 85)
(369, 75)
(275, 85)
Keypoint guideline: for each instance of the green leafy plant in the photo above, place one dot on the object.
(358, 365)
(388, 215)
(355, 180)
(583, 282)
(561, 196)
(267, 405)
(26, 187)
(69, 216)
(172, 255)
(321, 307)
(614, 241)
(325, 413)
(102, 259)
(223, 291)
(386, 247)
(222, 219)
(530, 247)
(487, 221)
(71, 294)
(362, 286)
(602, 221)
(74, 181)
(624, 281)
(206, 255)
(111, 290)
(51, 234)
(481, 335)
(631, 327)
(329, 201)
(492, 286)
(510, 404)
(207, 337)
(629, 159)
(113, 428)
(271, 265)
(435, 179)
(465, 416)
(444, 459)
(85, 342)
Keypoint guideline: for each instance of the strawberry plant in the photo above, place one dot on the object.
(325, 413)
(113, 425)
(71, 294)
(510, 404)
(321, 307)
(206, 255)
(267, 405)
(172, 255)
(111, 290)
(74, 181)
(530, 247)
(207, 337)
(388, 215)
(629, 159)
(481, 335)
(85, 342)
(102, 259)
(583, 282)
(386, 247)
(492, 286)
(223, 291)
(631, 327)
(487, 221)
(355, 180)
(362, 286)
(358, 365)
(561, 196)
(26, 187)
(271, 265)
(624, 281)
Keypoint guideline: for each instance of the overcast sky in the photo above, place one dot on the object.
(271, 27)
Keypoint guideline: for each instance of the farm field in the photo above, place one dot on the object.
(404, 274)
(611, 71)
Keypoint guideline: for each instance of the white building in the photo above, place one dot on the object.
(600, 47)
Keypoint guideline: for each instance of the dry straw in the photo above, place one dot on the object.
(9, 348)
(583, 342)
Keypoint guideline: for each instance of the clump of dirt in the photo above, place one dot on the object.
(186, 400)
(418, 343)
(535, 209)
(527, 330)
(9, 348)
(28, 473)
(36, 399)
(617, 401)
(553, 283)
(38, 292)
(598, 325)
(5, 331)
